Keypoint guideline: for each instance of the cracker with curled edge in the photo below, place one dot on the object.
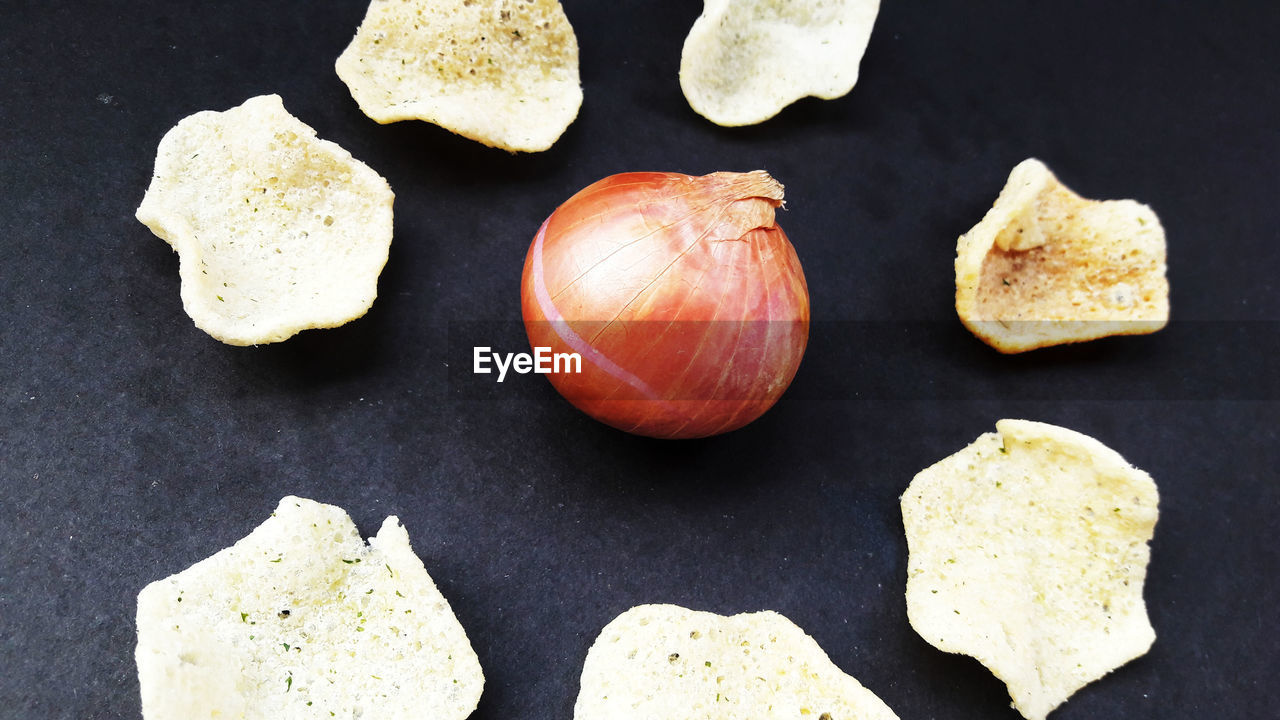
(665, 662)
(501, 72)
(745, 60)
(1028, 550)
(277, 231)
(302, 619)
(1047, 267)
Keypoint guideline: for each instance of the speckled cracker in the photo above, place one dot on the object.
(302, 619)
(277, 231)
(664, 662)
(1047, 267)
(501, 72)
(1028, 551)
(745, 60)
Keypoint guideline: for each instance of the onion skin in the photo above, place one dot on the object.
(684, 298)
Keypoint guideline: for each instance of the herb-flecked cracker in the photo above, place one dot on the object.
(745, 60)
(501, 72)
(276, 230)
(302, 619)
(1046, 267)
(665, 662)
(1028, 550)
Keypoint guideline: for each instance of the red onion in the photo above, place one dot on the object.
(684, 299)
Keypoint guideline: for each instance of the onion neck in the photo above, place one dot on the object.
(746, 202)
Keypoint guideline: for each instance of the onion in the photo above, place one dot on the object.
(683, 298)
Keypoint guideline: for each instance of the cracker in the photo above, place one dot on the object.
(302, 619)
(501, 72)
(745, 60)
(664, 662)
(1027, 550)
(277, 231)
(1047, 267)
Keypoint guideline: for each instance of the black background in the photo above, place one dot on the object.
(133, 445)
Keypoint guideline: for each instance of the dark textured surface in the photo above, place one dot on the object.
(132, 444)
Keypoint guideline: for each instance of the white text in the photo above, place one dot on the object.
(541, 362)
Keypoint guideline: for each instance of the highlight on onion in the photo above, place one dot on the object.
(682, 296)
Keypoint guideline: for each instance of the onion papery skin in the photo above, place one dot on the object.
(685, 300)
